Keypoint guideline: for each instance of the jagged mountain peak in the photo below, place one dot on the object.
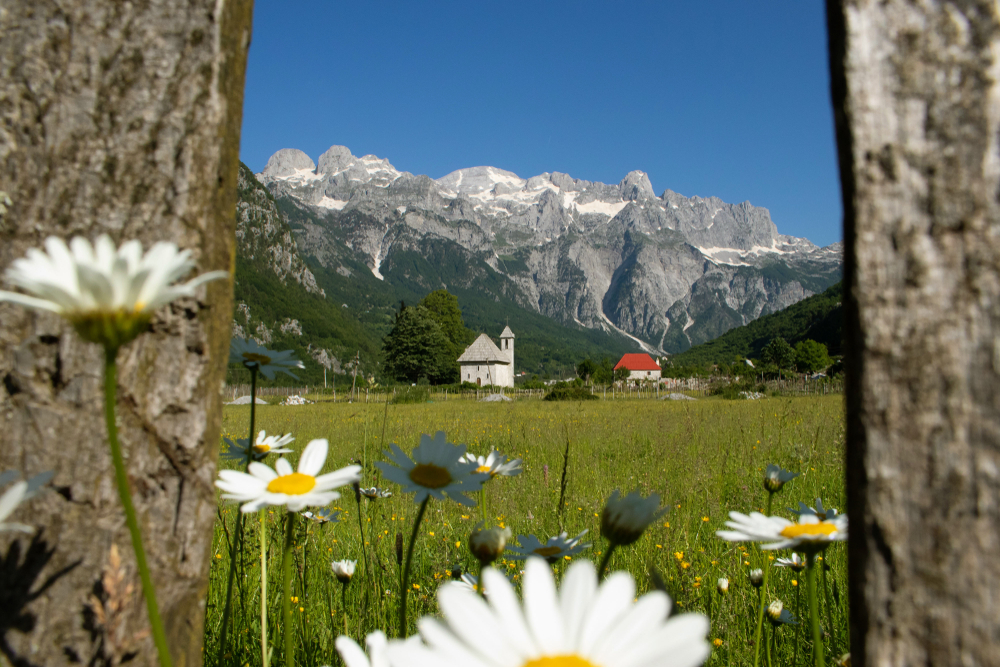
(636, 186)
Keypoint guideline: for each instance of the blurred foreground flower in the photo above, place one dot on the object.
(9, 501)
(297, 490)
(555, 548)
(795, 563)
(266, 444)
(496, 464)
(487, 544)
(108, 295)
(810, 535)
(374, 493)
(343, 570)
(324, 515)
(624, 519)
(582, 625)
(775, 477)
(436, 469)
(820, 511)
(257, 358)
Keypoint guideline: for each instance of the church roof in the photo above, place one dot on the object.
(507, 333)
(483, 350)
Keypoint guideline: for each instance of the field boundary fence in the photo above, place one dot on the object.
(692, 387)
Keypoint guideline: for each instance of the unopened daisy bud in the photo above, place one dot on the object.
(757, 578)
(487, 545)
(774, 612)
(843, 661)
(625, 518)
(775, 477)
(343, 570)
(723, 586)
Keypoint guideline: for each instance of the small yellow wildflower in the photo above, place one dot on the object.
(795, 582)
(704, 518)
(685, 565)
(717, 642)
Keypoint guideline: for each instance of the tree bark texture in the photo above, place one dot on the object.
(124, 118)
(917, 107)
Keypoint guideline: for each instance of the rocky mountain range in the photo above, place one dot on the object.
(666, 271)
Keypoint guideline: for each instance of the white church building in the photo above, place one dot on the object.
(486, 364)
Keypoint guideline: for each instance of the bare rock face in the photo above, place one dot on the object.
(615, 257)
(120, 118)
(287, 162)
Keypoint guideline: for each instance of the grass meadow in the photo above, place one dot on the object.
(704, 458)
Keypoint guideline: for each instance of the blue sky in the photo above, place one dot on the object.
(719, 98)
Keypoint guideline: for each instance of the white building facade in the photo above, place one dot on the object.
(483, 363)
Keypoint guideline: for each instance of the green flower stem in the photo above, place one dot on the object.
(769, 648)
(343, 603)
(763, 595)
(405, 580)
(482, 506)
(605, 561)
(364, 551)
(286, 588)
(263, 588)
(110, 399)
(798, 613)
(829, 613)
(817, 636)
(238, 540)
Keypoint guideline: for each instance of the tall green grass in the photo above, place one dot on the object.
(704, 458)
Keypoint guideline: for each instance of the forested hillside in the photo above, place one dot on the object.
(818, 318)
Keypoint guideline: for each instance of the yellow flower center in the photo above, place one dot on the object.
(809, 529)
(258, 358)
(483, 469)
(545, 552)
(559, 661)
(262, 449)
(295, 484)
(430, 476)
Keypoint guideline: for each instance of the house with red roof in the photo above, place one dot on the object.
(640, 366)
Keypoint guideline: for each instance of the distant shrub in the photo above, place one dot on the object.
(570, 393)
(418, 394)
(737, 390)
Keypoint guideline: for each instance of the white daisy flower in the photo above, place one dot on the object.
(374, 493)
(436, 469)
(353, 655)
(795, 563)
(9, 501)
(268, 362)
(554, 548)
(722, 586)
(827, 514)
(108, 295)
(496, 464)
(266, 444)
(283, 486)
(36, 483)
(325, 515)
(624, 519)
(808, 535)
(343, 570)
(582, 625)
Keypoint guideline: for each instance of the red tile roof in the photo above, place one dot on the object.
(637, 362)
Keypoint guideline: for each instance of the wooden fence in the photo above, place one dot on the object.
(694, 387)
